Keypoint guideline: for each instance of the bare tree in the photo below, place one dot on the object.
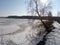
(37, 8)
(40, 9)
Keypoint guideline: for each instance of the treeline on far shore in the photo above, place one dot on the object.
(32, 17)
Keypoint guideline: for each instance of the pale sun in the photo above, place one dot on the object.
(43, 1)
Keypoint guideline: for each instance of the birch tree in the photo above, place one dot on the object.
(40, 8)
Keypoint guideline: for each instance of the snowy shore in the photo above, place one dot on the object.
(22, 32)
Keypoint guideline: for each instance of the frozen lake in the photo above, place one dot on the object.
(24, 32)
(13, 30)
(11, 25)
(18, 32)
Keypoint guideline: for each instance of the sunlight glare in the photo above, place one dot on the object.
(43, 1)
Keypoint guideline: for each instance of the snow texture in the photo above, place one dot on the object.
(53, 38)
(30, 36)
(20, 32)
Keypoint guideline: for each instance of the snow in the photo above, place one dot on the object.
(8, 29)
(56, 24)
(19, 33)
(53, 38)
(29, 36)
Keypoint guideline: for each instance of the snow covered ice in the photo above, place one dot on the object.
(28, 36)
(26, 32)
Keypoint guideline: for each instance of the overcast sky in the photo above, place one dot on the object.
(18, 7)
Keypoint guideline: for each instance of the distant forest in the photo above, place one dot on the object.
(32, 17)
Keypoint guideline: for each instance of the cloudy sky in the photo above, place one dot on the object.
(18, 7)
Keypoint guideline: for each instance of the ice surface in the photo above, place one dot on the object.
(8, 29)
(12, 32)
(26, 32)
